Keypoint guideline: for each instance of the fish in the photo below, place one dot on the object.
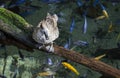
(105, 13)
(104, 10)
(100, 17)
(110, 29)
(85, 24)
(99, 57)
(72, 25)
(67, 45)
(70, 67)
(79, 3)
(46, 73)
(81, 43)
(49, 61)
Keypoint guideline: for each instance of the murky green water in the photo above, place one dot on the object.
(33, 63)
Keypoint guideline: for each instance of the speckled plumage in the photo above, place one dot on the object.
(46, 31)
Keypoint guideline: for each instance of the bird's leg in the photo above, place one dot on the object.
(50, 47)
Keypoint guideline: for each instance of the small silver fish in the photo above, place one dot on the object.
(85, 25)
(72, 25)
(79, 3)
(49, 61)
(67, 45)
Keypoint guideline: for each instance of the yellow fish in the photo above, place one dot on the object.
(99, 57)
(46, 73)
(110, 27)
(100, 17)
(70, 67)
(105, 13)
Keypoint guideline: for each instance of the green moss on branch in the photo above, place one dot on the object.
(14, 20)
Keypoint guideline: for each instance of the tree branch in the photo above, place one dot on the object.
(23, 39)
(89, 62)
